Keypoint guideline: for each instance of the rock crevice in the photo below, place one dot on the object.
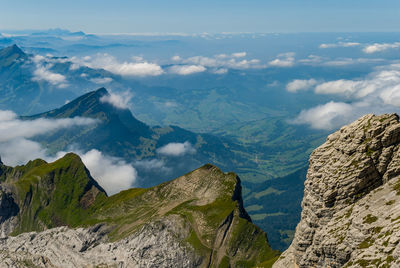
(350, 204)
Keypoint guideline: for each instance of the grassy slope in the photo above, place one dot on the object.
(53, 194)
(63, 193)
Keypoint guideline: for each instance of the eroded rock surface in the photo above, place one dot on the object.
(351, 204)
(155, 245)
(56, 215)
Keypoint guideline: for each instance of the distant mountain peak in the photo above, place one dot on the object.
(10, 55)
(90, 105)
(13, 49)
(103, 91)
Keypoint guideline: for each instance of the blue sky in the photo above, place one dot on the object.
(123, 16)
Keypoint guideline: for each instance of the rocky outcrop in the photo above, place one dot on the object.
(66, 220)
(155, 245)
(351, 204)
(8, 211)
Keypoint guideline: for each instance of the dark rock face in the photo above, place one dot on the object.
(8, 212)
(8, 208)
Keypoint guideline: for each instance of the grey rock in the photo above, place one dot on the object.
(157, 244)
(351, 204)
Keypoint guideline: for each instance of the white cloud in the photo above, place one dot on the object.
(298, 84)
(7, 115)
(113, 174)
(391, 95)
(338, 62)
(380, 47)
(222, 61)
(177, 149)
(186, 69)
(350, 61)
(283, 60)
(99, 80)
(11, 127)
(15, 146)
(170, 104)
(42, 73)
(220, 71)
(111, 64)
(312, 59)
(38, 58)
(340, 44)
(239, 54)
(327, 116)
(176, 58)
(378, 93)
(385, 79)
(342, 87)
(153, 164)
(20, 150)
(118, 100)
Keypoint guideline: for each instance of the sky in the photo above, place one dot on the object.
(213, 16)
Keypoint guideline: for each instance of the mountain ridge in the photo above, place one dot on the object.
(120, 134)
(199, 215)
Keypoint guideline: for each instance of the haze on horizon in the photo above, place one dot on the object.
(122, 16)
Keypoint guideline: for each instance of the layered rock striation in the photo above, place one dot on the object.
(351, 204)
(56, 215)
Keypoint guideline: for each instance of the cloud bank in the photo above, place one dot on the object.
(16, 148)
(43, 72)
(283, 60)
(297, 85)
(113, 174)
(177, 149)
(340, 44)
(327, 116)
(136, 67)
(186, 69)
(378, 93)
(12, 128)
(219, 64)
(374, 48)
(118, 100)
(99, 80)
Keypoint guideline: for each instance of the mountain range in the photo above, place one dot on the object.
(56, 215)
(267, 152)
(274, 205)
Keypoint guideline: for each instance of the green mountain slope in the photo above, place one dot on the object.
(50, 195)
(206, 200)
(120, 134)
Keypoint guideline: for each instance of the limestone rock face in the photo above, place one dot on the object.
(154, 245)
(56, 215)
(351, 204)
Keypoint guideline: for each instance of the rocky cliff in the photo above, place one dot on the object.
(56, 215)
(351, 204)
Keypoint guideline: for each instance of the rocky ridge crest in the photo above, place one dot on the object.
(63, 218)
(351, 204)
